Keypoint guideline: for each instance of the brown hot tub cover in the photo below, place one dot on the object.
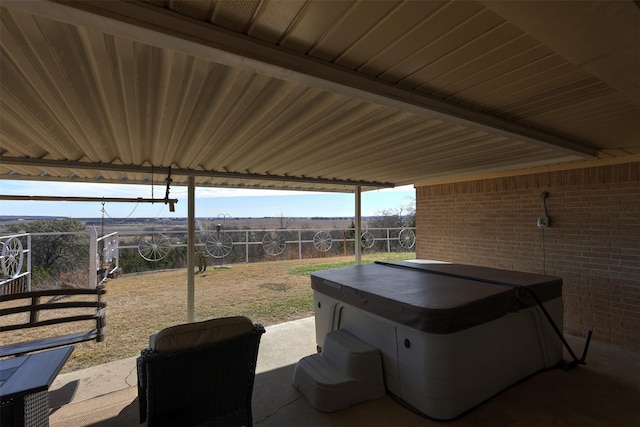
(435, 298)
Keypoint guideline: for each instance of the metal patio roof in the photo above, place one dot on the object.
(314, 95)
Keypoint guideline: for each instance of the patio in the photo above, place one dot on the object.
(359, 97)
(604, 392)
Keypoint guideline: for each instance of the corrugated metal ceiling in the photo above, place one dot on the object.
(313, 94)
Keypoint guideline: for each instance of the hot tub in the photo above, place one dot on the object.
(451, 335)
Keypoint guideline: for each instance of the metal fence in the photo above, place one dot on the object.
(234, 246)
(15, 263)
(219, 246)
(17, 250)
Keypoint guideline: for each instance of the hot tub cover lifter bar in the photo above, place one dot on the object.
(575, 362)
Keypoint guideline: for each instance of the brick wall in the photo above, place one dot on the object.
(593, 243)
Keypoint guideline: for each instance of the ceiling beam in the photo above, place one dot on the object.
(605, 50)
(159, 27)
(170, 171)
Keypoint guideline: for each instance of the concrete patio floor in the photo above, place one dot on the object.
(604, 392)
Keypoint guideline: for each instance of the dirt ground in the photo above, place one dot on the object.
(139, 305)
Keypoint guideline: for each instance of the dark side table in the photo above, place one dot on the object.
(24, 387)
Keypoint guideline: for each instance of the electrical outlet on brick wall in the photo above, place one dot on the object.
(544, 222)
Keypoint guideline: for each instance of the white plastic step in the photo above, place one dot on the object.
(348, 371)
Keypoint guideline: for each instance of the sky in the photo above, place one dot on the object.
(210, 202)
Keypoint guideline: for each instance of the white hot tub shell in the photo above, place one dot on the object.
(451, 336)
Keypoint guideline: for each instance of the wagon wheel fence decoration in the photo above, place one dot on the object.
(367, 240)
(219, 244)
(407, 238)
(154, 247)
(322, 241)
(12, 257)
(274, 243)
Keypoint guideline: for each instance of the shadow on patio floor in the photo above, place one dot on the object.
(605, 392)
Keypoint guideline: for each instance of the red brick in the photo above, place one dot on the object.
(593, 242)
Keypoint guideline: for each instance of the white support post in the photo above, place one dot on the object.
(246, 247)
(117, 244)
(358, 223)
(29, 262)
(93, 258)
(191, 249)
(388, 241)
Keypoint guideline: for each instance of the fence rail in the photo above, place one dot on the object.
(219, 245)
(246, 245)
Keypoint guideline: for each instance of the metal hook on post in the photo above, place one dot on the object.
(172, 207)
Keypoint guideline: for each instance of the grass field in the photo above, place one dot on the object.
(141, 304)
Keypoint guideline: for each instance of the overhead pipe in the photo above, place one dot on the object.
(86, 199)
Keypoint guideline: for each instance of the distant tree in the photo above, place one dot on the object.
(411, 213)
(350, 234)
(352, 230)
(387, 218)
(284, 221)
(55, 254)
(397, 217)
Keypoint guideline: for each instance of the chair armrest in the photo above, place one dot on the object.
(142, 383)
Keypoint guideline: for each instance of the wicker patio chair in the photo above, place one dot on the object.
(199, 374)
